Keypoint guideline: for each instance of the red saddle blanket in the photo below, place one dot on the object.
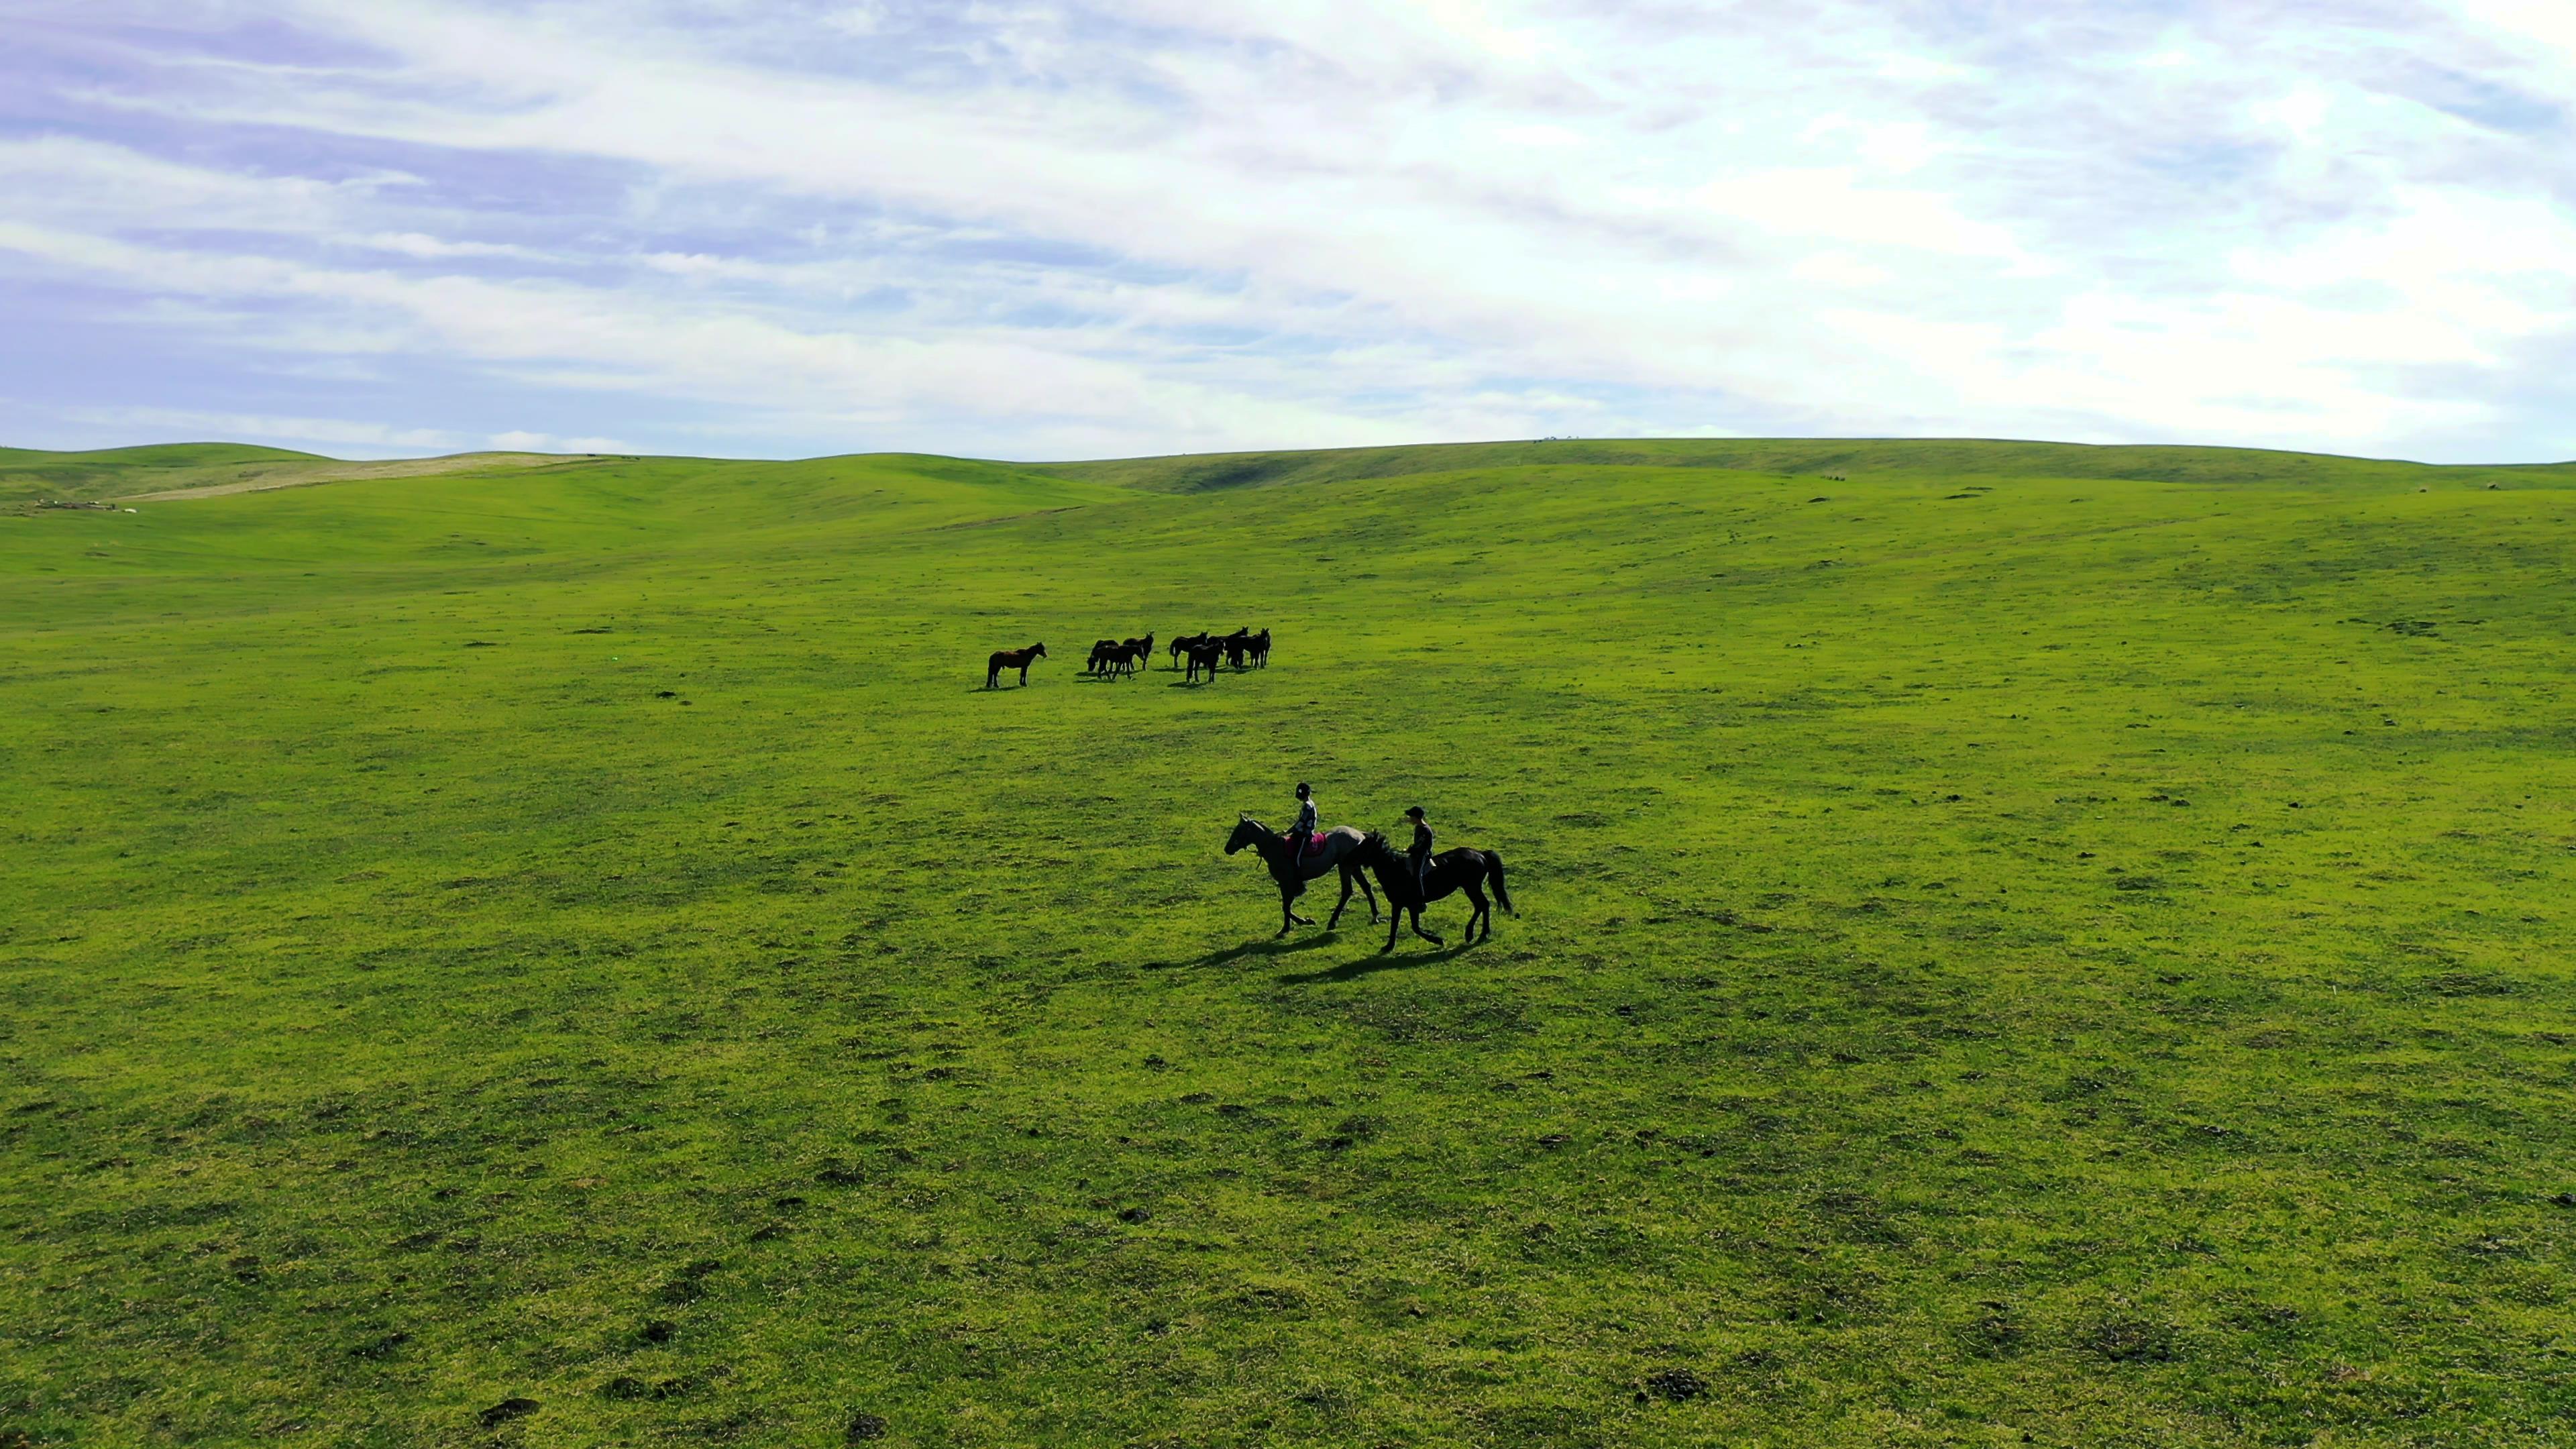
(1311, 845)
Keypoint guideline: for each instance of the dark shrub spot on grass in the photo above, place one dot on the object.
(666, 694)
(2129, 1340)
(1997, 1332)
(1674, 1385)
(784, 1203)
(624, 1386)
(381, 1347)
(2565, 1199)
(863, 1427)
(244, 1268)
(1231, 1109)
(658, 1330)
(1196, 1098)
(478, 644)
(1136, 1215)
(506, 1410)
(838, 1174)
(2138, 883)
(417, 1241)
(2470, 983)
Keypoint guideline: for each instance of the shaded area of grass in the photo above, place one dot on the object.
(569, 955)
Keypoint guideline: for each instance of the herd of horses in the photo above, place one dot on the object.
(1355, 855)
(1198, 654)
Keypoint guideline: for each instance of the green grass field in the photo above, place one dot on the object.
(2018, 945)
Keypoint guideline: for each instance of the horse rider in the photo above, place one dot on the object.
(1420, 853)
(1303, 832)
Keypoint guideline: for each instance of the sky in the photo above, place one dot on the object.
(1042, 230)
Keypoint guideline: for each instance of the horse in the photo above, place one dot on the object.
(1236, 644)
(1144, 647)
(1101, 651)
(1125, 659)
(1018, 659)
(1450, 871)
(1204, 655)
(1259, 648)
(1291, 867)
(1183, 644)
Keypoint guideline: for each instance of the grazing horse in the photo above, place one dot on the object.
(1144, 647)
(1018, 659)
(1101, 652)
(1204, 655)
(1125, 659)
(1259, 647)
(1451, 870)
(1237, 644)
(1291, 867)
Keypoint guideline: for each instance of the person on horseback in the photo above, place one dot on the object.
(1420, 854)
(1302, 834)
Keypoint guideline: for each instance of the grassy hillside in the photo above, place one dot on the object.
(1953, 459)
(2051, 946)
(173, 470)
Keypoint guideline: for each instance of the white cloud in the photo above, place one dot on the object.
(1154, 224)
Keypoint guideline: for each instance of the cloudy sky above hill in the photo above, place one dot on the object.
(1046, 230)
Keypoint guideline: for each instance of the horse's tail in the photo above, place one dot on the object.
(1494, 865)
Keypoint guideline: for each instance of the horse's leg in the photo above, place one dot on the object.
(1335, 923)
(1482, 912)
(1290, 892)
(1426, 935)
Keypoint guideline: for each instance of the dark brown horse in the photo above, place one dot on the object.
(1451, 871)
(1124, 659)
(1259, 649)
(1184, 643)
(1291, 868)
(1237, 644)
(1018, 659)
(1100, 652)
(1144, 647)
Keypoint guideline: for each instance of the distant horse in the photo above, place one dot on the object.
(1125, 659)
(1291, 867)
(1100, 653)
(1451, 871)
(1183, 644)
(1259, 648)
(1018, 659)
(1237, 644)
(1144, 648)
(1204, 655)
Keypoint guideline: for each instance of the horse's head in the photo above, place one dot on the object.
(1037, 651)
(1247, 831)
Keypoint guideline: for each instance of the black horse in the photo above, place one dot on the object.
(1291, 868)
(1204, 655)
(1237, 644)
(1451, 871)
(1184, 643)
(1259, 648)
(1018, 659)
(1101, 651)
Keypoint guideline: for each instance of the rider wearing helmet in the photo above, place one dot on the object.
(1303, 831)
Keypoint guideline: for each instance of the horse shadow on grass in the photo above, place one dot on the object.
(1370, 965)
(1231, 954)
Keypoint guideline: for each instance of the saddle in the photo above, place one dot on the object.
(1311, 846)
